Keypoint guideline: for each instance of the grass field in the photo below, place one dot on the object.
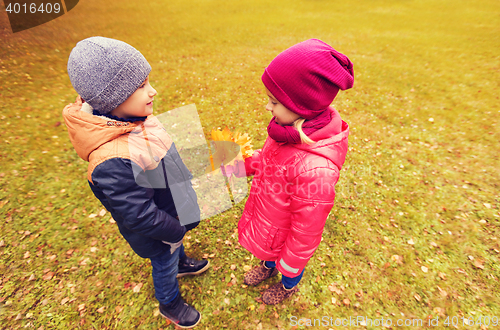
(415, 230)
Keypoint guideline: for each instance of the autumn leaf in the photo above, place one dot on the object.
(417, 297)
(346, 302)
(101, 310)
(48, 276)
(333, 288)
(424, 269)
(478, 263)
(137, 288)
(442, 292)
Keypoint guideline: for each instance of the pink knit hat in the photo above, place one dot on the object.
(306, 77)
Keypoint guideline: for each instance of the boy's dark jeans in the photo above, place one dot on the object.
(165, 267)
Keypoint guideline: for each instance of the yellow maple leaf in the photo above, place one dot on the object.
(226, 147)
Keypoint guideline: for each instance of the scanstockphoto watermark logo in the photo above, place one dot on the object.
(190, 164)
(25, 15)
(215, 170)
(361, 321)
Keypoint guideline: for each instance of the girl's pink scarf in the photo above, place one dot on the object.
(289, 134)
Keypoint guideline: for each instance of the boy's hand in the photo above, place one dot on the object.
(174, 246)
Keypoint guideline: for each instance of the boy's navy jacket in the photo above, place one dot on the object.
(136, 172)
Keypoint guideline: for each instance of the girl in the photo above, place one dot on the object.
(296, 171)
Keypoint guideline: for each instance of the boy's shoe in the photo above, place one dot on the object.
(179, 312)
(259, 274)
(277, 293)
(192, 266)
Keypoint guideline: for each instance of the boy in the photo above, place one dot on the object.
(134, 168)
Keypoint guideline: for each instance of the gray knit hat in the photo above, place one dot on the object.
(105, 72)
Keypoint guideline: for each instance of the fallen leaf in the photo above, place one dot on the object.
(101, 310)
(346, 302)
(32, 277)
(442, 276)
(2, 243)
(93, 215)
(411, 242)
(137, 288)
(65, 300)
(48, 276)
(84, 262)
(233, 267)
(417, 297)
(333, 288)
(102, 212)
(118, 309)
(442, 292)
(424, 269)
(479, 263)
(81, 307)
(246, 268)
(26, 255)
(334, 301)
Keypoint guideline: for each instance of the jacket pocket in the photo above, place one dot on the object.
(277, 238)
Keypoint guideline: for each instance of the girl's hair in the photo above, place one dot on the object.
(303, 137)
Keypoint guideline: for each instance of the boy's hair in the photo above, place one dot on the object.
(105, 72)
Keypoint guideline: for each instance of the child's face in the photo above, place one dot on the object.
(139, 104)
(282, 115)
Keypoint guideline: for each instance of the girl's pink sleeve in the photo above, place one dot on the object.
(252, 163)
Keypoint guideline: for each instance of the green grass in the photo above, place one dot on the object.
(406, 179)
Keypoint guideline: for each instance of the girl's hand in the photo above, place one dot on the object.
(238, 169)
